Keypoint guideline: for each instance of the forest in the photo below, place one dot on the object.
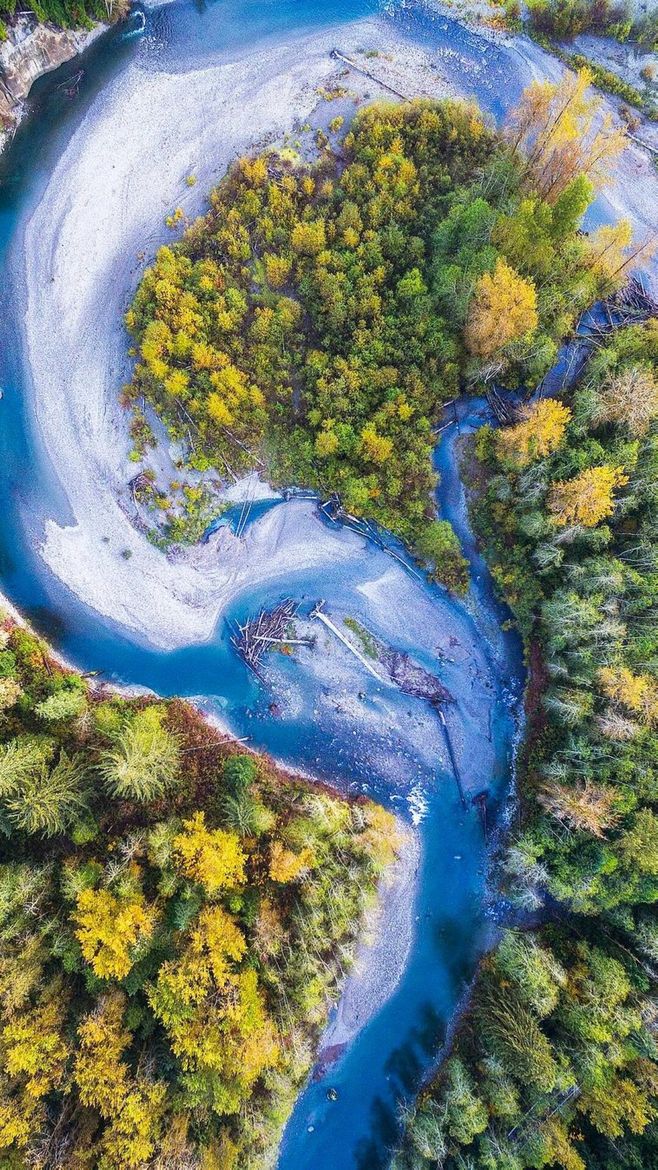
(321, 314)
(64, 13)
(555, 1063)
(611, 18)
(175, 916)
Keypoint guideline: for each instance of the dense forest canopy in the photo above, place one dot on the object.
(174, 918)
(319, 316)
(556, 1064)
(64, 13)
(612, 18)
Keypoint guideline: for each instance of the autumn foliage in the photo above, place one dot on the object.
(503, 310)
(555, 1063)
(588, 498)
(318, 317)
(167, 962)
(538, 434)
(564, 133)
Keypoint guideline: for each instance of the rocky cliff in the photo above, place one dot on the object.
(30, 50)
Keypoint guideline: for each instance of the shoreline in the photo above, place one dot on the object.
(31, 50)
(380, 955)
(170, 602)
(105, 202)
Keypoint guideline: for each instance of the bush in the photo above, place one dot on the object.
(439, 548)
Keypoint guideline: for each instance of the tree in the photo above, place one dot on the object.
(132, 1135)
(239, 773)
(503, 309)
(584, 807)
(308, 238)
(145, 759)
(376, 448)
(540, 432)
(10, 693)
(214, 1014)
(64, 704)
(617, 1102)
(34, 1045)
(214, 946)
(111, 930)
(533, 969)
(587, 498)
(466, 1113)
(438, 546)
(19, 758)
(45, 800)
(100, 1073)
(512, 1031)
(636, 692)
(211, 857)
(287, 866)
(563, 133)
(629, 397)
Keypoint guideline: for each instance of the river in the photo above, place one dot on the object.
(330, 718)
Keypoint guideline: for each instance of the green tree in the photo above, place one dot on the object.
(145, 759)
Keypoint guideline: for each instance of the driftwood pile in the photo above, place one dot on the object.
(332, 509)
(505, 409)
(633, 302)
(269, 628)
(411, 678)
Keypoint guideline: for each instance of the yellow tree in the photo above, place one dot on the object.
(562, 131)
(540, 431)
(635, 692)
(375, 447)
(132, 1136)
(110, 930)
(211, 857)
(586, 499)
(214, 1013)
(132, 1105)
(21, 1117)
(100, 1073)
(585, 807)
(214, 945)
(612, 252)
(34, 1045)
(286, 865)
(503, 309)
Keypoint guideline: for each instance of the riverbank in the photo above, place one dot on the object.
(381, 954)
(30, 50)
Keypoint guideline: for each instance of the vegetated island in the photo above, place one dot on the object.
(317, 319)
(176, 917)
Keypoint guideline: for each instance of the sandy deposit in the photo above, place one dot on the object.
(381, 954)
(122, 172)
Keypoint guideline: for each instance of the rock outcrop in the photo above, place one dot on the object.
(30, 50)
